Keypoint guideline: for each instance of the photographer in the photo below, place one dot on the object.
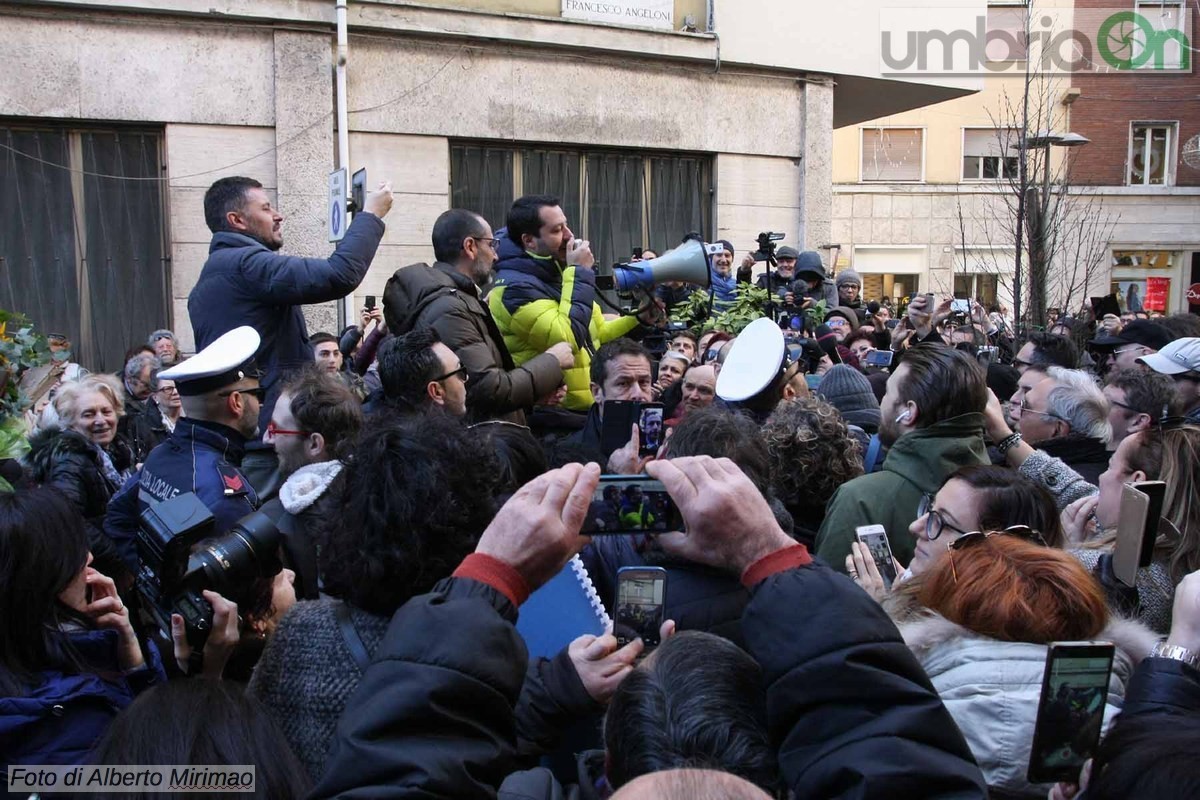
(69, 657)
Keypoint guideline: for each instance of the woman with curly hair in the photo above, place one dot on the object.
(811, 454)
(416, 497)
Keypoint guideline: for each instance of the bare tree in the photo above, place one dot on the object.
(1043, 238)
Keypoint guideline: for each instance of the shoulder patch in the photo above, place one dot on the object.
(232, 480)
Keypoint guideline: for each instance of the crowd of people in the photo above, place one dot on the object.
(398, 489)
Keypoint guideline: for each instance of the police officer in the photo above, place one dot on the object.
(221, 401)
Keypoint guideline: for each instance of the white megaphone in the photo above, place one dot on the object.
(688, 263)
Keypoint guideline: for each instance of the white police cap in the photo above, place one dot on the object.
(229, 359)
(753, 361)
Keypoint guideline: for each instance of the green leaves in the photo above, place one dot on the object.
(732, 318)
(20, 349)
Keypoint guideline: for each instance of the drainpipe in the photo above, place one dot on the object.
(346, 311)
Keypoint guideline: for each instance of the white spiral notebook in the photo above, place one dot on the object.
(564, 609)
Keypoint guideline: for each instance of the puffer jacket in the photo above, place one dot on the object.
(992, 689)
(440, 297)
(67, 461)
(61, 719)
(918, 463)
(537, 303)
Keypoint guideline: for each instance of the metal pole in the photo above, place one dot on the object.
(346, 307)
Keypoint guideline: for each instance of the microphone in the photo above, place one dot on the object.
(873, 307)
(828, 342)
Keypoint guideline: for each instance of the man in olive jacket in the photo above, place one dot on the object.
(932, 421)
(446, 297)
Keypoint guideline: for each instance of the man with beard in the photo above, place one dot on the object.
(446, 297)
(545, 294)
(246, 281)
(932, 420)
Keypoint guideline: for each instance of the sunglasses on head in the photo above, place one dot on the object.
(975, 537)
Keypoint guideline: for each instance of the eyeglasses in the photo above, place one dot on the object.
(1119, 404)
(1021, 363)
(935, 523)
(974, 537)
(492, 243)
(167, 390)
(460, 372)
(1023, 408)
(837, 322)
(258, 393)
(1129, 349)
(274, 430)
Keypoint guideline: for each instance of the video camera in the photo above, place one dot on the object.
(766, 246)
(172, 577)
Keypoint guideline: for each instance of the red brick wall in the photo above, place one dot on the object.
(1107, 104)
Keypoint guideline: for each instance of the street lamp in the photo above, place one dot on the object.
(1037, 208)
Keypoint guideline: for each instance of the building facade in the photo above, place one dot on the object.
(115, 118)
(927, 200)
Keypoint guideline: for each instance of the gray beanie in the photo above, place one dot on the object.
(849, 391)
(848, 276)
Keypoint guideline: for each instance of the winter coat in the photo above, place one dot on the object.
(304, 500)
(144, 430)
(537, 303)
(1155, 589)
(918, 463)
(992, 688)
(1054, 476)
(61, 719)
(245, 283)
(69, 462)
(852, 711)
(442, 298)
(1088, 457)
(201, 457)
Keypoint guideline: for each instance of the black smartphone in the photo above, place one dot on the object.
(650, 428)
(640, 606)
(1071, 711)
(891, 324)
(879, 358)
(874, 538)
(619, 418)
(631, 504)
(637, 252)
(358, 190)
(370, 302)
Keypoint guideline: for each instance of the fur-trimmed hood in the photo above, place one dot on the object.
(306, 485)
(992, 688)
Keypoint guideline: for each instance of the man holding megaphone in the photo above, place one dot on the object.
(545, 293)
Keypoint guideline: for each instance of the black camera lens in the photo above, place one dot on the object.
(231, 563)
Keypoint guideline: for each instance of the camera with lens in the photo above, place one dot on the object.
(766, 246)
(179, 559)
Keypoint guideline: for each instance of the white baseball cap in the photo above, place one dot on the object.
(1181, 355)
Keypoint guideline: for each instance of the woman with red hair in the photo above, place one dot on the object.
(980, 620)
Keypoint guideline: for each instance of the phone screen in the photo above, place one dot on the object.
(1071, 710)
(631, 504)
(650, 427)
(370, 302)
(358, 189)
(879, 358)
(641, 592)
(960, 306)
(881, 552)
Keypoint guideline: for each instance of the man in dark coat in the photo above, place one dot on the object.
(247, 282)
(446, 297)
(434, 713)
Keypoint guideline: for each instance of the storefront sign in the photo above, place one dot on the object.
(1157, 292)
(634, 13)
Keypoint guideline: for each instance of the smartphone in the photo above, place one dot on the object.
(891, 324)
(875, 539)
(930, 303)
(358, 190)
(650, 428)
(1071, 711)
(879, 358)
(637, 252)
(985, 356)
(631, 504)
(619, 419)
(1137, 528)
(370, 302)
(640, 606)
(961, 307)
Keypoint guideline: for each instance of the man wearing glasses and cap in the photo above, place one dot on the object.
(222, 398)
(1181, 360)
(1139, 338)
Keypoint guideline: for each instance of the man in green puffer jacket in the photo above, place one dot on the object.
(545, 293)
(932, 419)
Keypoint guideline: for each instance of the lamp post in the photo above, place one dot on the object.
(1036, 205)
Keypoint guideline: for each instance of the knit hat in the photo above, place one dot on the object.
(847, 276)
(849, 391)
(728, 247)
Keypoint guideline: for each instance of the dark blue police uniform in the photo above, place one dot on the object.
(201, 457)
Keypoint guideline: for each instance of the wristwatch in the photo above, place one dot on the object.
(1177, 653)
